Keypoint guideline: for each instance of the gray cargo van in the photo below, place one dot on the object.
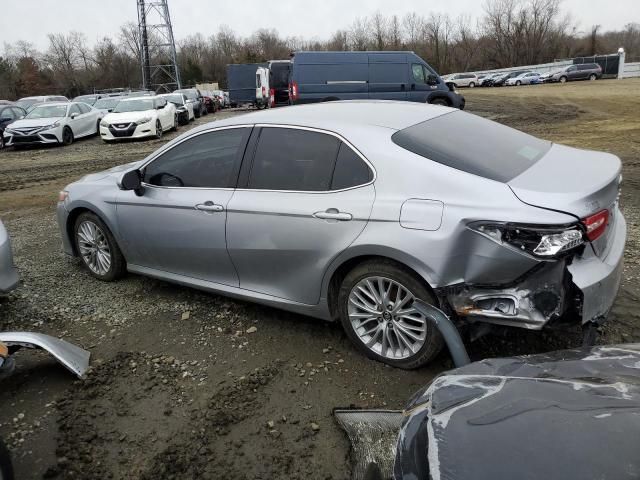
(325, 76)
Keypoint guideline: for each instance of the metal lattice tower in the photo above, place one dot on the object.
(158, 48)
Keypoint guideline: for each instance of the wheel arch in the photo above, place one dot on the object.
(348, 260)
(78, 210)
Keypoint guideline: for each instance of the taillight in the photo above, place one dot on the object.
(596, 224)
(264, 92)
(272, 97)
(294, 91)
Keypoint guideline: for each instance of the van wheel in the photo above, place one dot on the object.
(375, 307)
(440, 101)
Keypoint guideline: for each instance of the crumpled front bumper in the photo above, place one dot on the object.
(585, 286)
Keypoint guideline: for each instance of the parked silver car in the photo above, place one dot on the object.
(351, 210)
(8, 274)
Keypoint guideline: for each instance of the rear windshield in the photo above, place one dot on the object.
(474, 145)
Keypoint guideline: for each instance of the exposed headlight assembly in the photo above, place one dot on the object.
(537, 240)
(53, 125)
(143, 120)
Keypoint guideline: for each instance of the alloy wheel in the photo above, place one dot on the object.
(382, 316)
(94, 247)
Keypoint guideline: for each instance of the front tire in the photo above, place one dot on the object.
(563, 79)
(518, 83)
(593, 77)
(472, 85)
(67, 136)
(375, 306)
(175, 123)
(97, 248)
(158, 130)
(439, 101)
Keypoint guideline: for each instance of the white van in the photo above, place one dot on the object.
(262, 87)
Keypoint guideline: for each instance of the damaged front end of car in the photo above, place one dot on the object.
(554, 267)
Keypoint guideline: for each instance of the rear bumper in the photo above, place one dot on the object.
(599, 278)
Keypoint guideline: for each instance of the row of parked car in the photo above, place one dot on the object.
(585, 71)
(56, 120)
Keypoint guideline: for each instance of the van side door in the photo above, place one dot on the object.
(388, 79)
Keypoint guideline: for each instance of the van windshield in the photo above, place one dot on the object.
(481, 147)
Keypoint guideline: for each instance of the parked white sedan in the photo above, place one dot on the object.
(53, 123)
(527, 78)
(139, 117)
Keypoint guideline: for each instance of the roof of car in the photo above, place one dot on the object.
(327, 115)
(45, 104)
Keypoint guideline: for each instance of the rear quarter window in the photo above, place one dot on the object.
(474, 145)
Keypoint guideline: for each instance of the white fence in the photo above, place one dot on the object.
(631, 70)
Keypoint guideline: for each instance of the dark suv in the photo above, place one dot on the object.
(195, 97)
(585, 71)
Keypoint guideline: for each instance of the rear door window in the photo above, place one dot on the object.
(293, 159)
(487, 149)
(351, 170)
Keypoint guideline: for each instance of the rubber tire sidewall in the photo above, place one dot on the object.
(6, 466)
(389, 269)
(65, 129)
(440, 101)
(593, 77)
(118, 263)
(563, 79)
(159, 131)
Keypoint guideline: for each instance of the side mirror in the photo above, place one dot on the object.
(74, 116)
(132, 180)
(432, 80)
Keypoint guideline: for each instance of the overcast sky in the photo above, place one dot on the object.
(31, 20)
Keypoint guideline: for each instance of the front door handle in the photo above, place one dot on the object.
(333, 214)
(209, 207)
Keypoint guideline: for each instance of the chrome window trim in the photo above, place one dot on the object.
(267, 125)
(326, 132)
(209, 130)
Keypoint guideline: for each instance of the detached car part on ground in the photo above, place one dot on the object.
(394, 202)
(72, 357)
(565, 415)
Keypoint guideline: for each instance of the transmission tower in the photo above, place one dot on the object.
(158, 48)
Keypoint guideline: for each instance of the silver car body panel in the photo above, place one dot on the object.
(9, 276)
(74, 358)
(270, 247)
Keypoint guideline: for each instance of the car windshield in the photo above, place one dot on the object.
(89, 99)
(48, 111)
(175, 99)
(106, 103)
(487, 149)
(27, 102)
(189, 93)
(137, 105)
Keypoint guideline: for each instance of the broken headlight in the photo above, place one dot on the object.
(537, 240)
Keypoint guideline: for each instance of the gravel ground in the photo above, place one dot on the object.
(186, 384)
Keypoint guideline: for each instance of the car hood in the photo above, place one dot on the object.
(115, 172)
(570, 414)
(571, 180)
(127, 117)
(34, 122)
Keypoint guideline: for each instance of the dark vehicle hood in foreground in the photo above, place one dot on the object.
(579, 182)
(566, 415)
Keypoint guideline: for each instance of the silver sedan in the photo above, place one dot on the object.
(351, 210)
(8, 274)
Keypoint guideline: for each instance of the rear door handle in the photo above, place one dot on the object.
(209, 207)
(334, 214)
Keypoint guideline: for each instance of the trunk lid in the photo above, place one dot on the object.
(574, 181)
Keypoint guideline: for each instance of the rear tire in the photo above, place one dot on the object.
(593, 77)
(6, 468)
(175, 123)
(117, 265)
(98, 128)
(411, 340)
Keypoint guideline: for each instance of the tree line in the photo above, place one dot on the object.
(508, 33)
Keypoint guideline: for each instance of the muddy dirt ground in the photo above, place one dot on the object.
(178, 388)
